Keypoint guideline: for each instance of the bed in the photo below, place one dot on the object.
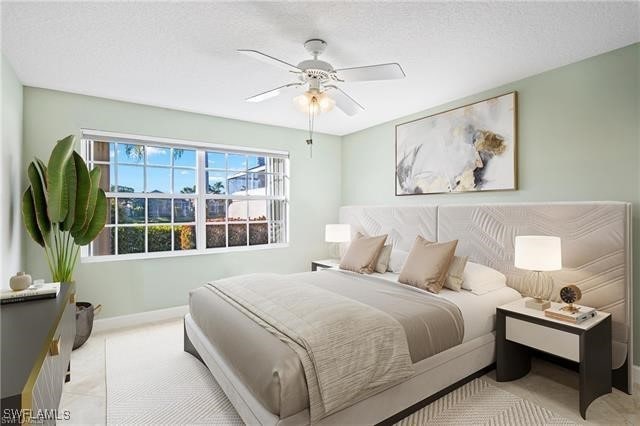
(264, 378)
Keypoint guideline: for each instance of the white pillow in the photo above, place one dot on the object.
(480, 279)
(383, 259)
(397, 259)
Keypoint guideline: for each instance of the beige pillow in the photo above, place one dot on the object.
(455, 277)
(362, 254)
(383, 259)
(427, 264)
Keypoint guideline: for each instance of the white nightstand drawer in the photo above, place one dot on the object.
(547, 339)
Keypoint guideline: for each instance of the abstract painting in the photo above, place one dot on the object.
(471, 148)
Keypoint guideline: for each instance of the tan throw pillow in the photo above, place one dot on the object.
(383, 259)
(455, 277)
(427, 264)
(362, 254)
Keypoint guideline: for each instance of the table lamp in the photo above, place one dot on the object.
(538, 254)
(337, 233)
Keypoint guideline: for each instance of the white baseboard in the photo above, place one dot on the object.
(132, 320)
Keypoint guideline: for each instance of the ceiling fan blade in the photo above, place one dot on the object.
(271, 93)
(344, 102)
(263, 57)
(371, 72)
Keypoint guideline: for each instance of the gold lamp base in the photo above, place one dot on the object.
(538, 304)
(570, 308)
(539, 286)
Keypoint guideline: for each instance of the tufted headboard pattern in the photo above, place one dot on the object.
(596, 245)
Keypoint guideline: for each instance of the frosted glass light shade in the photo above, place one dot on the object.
(314, 101)
(337, 233)
(538, 253)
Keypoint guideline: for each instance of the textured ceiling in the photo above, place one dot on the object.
(182, 55)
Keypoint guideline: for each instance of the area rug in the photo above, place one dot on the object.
(150, 380)
(481, 403)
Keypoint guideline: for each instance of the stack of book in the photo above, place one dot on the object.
(34, 292)
(576, 317)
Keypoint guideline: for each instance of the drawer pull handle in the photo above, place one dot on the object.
(54, 347)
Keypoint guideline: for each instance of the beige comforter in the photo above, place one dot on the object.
(348, 349)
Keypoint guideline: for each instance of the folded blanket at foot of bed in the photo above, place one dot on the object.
(348, 348)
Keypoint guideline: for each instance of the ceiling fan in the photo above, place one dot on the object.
(319, 78)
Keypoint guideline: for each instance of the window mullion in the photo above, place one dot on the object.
(116, 165)
(173, 219)
(116, 221)
(201, 190)
(146, 225)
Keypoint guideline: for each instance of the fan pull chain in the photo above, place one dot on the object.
(312, 116)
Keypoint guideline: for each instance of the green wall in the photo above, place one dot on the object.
(579, 139)
(131, 286)
(10, 177)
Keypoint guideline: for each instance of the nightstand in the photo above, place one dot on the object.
(325, 264)
(520, 329)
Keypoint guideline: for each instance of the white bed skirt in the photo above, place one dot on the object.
(432, 375)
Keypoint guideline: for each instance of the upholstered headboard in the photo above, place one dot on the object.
(596, 245)
(401, 224)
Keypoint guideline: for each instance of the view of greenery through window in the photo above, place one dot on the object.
(157, 205)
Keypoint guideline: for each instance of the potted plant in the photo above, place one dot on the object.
(63, 209)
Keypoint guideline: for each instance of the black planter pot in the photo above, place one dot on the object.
(84, 323)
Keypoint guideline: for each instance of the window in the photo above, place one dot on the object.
(170, 197)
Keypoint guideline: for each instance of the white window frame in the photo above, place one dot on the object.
(201, 196)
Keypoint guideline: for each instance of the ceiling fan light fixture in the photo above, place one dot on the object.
(326, 103)
(320, 76)
(313, 101)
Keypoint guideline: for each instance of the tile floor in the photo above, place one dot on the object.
(547, 385)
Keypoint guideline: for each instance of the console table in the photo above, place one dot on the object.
(37, 337)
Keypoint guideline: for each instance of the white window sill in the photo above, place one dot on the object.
(142, 256)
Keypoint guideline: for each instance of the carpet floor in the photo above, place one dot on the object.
(481, 403)
(150, 380)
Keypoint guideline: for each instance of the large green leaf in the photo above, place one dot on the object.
(97, 221)
(83, 189)
(58, 194)
(42, 169)
(94, 175)
(71, 190)
(39, 200)
(29, 217)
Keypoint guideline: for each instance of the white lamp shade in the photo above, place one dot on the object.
(538, 253)
(337, 233)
